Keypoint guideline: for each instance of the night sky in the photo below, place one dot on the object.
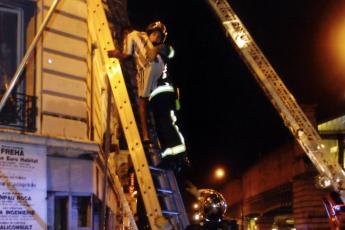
(226, 118)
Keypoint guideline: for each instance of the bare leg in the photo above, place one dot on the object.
(143, 119)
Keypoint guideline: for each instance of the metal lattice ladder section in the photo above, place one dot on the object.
(283, 101)
(100, 30)
(170, 197)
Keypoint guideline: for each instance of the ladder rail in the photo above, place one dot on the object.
(119, 190)
(182, 218)
(125, 204)
(172, 201)
(100, 31)
(281, 98)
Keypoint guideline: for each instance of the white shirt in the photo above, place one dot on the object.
(138, 45)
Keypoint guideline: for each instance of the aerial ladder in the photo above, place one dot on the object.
(175, 217)
(330, 173)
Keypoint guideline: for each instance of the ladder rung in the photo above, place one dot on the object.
(170, 213)
(165, 191)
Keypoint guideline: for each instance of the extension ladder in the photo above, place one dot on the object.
(158, 218)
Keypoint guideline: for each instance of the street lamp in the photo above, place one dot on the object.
(196, 206)
(219, 173)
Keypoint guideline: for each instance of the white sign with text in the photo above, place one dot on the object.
(23, 186)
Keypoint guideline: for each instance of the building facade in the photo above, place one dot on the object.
(58, 126)
(281, 191)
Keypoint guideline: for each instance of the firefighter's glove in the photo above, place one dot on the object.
(177, 101)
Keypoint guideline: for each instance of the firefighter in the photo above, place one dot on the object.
(164, 104)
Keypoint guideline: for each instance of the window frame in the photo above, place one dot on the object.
(71, 222)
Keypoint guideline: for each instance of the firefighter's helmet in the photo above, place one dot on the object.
(157, 26)
(213, 205)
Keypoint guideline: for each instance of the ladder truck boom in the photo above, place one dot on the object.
(283, 101)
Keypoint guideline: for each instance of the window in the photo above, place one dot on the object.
(20, 109)
(83, 206)
(61, 213)
(70, 211)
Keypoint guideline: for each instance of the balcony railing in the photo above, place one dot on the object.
(19, 112)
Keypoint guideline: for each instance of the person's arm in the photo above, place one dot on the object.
(117, 54)
(127, 49)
